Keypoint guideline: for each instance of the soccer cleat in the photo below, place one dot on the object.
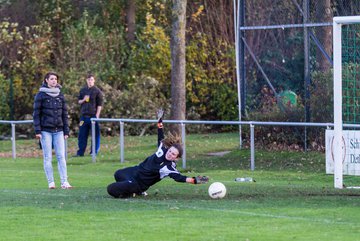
(52, 185)
(140, 194)
(66, 185)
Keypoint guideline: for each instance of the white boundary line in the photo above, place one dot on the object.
(200, 207)
(43, 193)
(175, 205)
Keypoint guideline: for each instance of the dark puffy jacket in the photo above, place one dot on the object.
(50, 113)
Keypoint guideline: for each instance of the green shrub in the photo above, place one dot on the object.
(211, 91)
(26, 55)
(4, 98)
(322, 99)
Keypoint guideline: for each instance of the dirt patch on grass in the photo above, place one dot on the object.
(221, 153)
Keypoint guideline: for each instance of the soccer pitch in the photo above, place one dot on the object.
(292, 198)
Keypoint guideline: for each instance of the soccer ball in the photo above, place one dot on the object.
(217, 190)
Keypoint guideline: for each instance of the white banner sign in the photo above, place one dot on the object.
(351, 152)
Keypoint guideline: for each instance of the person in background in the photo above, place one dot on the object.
(91, 101)
(132, 181)
(51, 127)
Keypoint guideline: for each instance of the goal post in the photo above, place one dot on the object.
(338, 144)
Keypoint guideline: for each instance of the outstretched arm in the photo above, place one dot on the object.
(176, 175)
(160, 114)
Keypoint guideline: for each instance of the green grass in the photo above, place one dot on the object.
(292, 198)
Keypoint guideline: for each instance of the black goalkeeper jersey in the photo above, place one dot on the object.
(156, 167)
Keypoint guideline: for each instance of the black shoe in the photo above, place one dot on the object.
(77, 155)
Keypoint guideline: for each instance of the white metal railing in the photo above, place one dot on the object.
(13, 135)
(252, 125)
(183, 124)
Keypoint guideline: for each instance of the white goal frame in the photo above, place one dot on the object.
(338, 22)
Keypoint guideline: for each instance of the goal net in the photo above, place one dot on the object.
(345, 146)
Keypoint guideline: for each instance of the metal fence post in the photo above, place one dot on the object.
(121, 142)
(252, 148)
(183, 137)
(13, 141)
(93, 144)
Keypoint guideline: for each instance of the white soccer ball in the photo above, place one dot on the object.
(217, 190)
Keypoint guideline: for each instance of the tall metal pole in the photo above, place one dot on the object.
(239, 21)
(242, 57)
(236, 29)
(306, 66)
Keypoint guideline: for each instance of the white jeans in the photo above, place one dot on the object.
(56, 140)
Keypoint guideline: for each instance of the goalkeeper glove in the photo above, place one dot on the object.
(200, 179)
(160, 114)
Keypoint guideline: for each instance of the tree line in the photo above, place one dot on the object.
(127, 45)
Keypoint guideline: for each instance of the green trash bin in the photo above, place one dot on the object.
(288, 98)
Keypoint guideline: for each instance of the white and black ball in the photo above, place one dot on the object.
(217, 190)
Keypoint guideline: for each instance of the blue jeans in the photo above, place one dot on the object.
(84, 130)
(57, 140)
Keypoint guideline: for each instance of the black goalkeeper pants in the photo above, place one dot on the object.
(125, 185)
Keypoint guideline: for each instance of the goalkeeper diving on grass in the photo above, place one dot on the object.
(132, 181)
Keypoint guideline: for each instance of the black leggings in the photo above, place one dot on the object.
(125, 184)
(125, 174)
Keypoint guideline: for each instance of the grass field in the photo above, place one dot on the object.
(292, 198)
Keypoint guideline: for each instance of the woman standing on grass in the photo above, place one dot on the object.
(136, 180)
(51, 127)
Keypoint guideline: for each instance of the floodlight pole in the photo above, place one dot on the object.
(236, 33)
(242, 57)
(306, 13)
(239, 21)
